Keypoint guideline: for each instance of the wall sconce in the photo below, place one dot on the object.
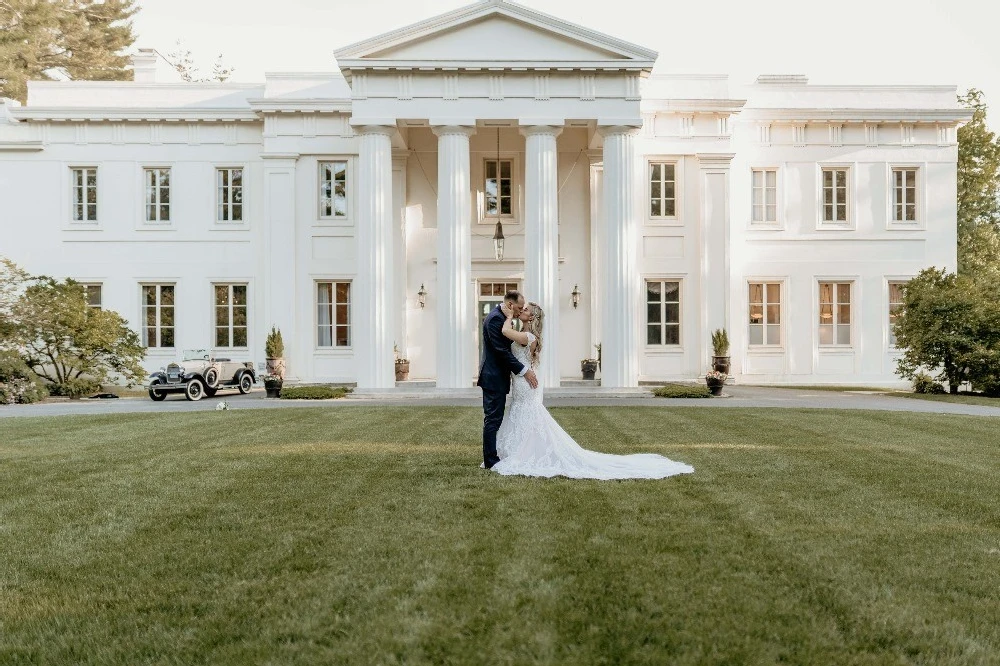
(498, 242)
(422, 295)
(576, 295)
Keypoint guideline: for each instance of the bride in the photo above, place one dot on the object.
(531, 443)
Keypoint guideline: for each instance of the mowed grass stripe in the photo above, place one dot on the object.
(368, 535)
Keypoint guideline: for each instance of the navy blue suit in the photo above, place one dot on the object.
(494, 378)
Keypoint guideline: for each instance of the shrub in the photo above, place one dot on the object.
(682, 391)
(75, 388)
(924, 383)
(720, 342)
(274, 346)
(313, 392)
(18, 384)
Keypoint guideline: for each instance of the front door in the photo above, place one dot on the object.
(490, 296)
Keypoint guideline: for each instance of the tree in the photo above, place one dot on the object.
(978, 167)
(85, 39)
(950, 324)
(68, 343)
(183, 62)
(13, 279)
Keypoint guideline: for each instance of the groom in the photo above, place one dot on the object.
(494, 373)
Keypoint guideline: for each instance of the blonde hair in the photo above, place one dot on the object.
(535, 327)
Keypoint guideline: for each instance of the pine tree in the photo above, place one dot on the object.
(978, 167)
(85, 39)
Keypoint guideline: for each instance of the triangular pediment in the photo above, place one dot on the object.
(493, 31)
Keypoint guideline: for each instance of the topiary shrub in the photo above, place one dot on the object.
(924, 383)
(682, 391)
(274, 345)
(313, 392)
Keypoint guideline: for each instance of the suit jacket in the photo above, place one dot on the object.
(498, 360)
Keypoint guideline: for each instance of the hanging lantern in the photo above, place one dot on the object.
(498, 242)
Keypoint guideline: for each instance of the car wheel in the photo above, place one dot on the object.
(155, 395)
(211, 378)
(210, 392)
(246, 383)
(194, 390)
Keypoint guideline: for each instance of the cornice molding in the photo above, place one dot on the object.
(118, 114)
(693, 105)
(859, 115)
(300, 105)
(387, 65)
(21, 146)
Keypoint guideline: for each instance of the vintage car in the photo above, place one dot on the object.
(199, 374)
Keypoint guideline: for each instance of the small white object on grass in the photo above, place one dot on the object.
(221, 406)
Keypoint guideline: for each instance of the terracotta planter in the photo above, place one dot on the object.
(402, 370)
(276, 367)
(720, 364)
(588, 367)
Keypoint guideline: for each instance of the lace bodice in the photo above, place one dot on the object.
(522, 353)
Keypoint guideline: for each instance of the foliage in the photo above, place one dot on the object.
(184, 63)
(979, 252)
(76, 387)
(81, 39)
(715, 376)
(720, 342)
(274, 346)
(13, 280)
(924, 383)
(63, 340)
(18, 384)
(978, 167)
(313, 392)
(949, 324)
(682, 391)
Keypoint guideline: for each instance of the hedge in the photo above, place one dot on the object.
(313, 392)
(682, 391)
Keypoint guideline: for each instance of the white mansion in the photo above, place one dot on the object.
(357, 210)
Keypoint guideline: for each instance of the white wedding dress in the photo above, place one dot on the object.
(531, 443)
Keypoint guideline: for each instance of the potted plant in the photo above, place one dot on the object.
(720, 351)
(588, 367)
(274, 353)
(402, 366)
(272, 385)
(715, 381)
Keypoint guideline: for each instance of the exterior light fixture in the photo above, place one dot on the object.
(422, 295)
(498, 242)
(576, 296)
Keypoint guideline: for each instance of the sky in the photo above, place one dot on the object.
(843, 42)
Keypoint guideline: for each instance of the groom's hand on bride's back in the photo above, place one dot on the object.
(532, 379)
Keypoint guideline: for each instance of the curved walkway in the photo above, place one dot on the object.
(737, 396)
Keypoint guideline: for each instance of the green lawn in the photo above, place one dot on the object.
(961, 398)
(364, 535)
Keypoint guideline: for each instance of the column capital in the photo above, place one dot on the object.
(452, 128)
(715, 160)
(607, 127)
(541, 128)
(380, 127)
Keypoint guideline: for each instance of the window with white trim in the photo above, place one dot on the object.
(92, 294)
(333, 189)
(835, 196)
(84, 194)
(896, 288)
(662, 189)
(333, 314)
(765, 196)
(498, 188)
(764, 313)
(904, 195)
(835, 313)
(229, 188)
(157, 182)
(663, 312)
(230, 315)
(158, 315)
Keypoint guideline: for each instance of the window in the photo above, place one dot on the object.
(332, 189)
(765, 196)
(230, 195)
(765, 313)
(498, 188)
(835, 313)
(230, 315)
(895, 304)
(158, 315)
(663, 313)
(92, 293)
(157, 195)
(835, 195)
(496, 289)
(904, 195)
(333, 319)
(662, 190)
(85, 194)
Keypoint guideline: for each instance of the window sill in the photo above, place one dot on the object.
(663, 350)
(906, 226)
(506, 219)
(664, 222)
(766, 350)
(333, 351)
(83, 226)
(835, 226)
(835, 350)
(765, 226)
(333, 222)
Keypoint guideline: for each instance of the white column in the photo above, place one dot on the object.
(714, 232)
(541, 239)
(371, 303)
(280, 267)
(455, 319)
(622, 283)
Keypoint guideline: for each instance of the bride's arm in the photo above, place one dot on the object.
(520, 337)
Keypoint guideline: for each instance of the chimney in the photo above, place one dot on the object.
(148, 66)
